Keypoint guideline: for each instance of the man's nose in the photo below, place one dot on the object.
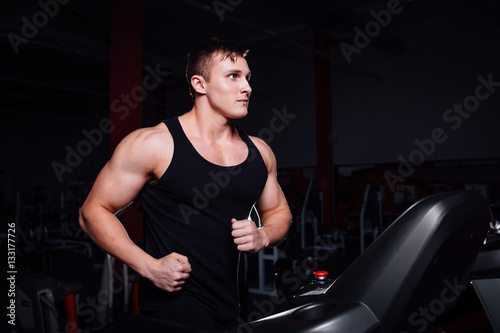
(246, 88)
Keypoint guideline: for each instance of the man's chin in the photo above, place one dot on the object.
(238, 115)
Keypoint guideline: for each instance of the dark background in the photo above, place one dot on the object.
(394, 90)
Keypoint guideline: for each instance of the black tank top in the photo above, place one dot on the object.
(189, 211)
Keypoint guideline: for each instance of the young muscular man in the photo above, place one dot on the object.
(197, 177)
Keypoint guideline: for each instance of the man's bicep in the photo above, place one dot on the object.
(115, 188)
(119, 182)
(132, 165)
(272, 198)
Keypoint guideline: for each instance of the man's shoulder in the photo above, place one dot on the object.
(259, 143)
(155, 137)
(148, 149)
(264, 150)
(157, 132)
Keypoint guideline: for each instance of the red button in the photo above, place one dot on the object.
(321, 273)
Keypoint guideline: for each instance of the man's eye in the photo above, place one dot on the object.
(232, 76)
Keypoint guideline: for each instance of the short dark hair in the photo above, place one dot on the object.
(201, 58)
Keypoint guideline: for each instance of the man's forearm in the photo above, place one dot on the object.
(275, 227)
(110, 235)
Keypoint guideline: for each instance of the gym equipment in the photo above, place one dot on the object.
(415, 269)
(308, 222)
(485, 273)
(370, 219)
(318, 286)
(419, 262)
(309, 235)
(265, 258)
(37, 303)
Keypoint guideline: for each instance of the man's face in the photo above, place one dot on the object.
(228, 90)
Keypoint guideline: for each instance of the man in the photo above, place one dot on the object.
(197, 177)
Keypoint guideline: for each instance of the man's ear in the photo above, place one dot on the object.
(198, 84)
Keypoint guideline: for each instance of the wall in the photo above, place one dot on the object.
(377, 120)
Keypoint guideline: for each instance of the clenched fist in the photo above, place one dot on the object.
(247, 236)
(171, 272)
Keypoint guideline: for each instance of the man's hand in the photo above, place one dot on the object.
(247, 236)
(171, 272)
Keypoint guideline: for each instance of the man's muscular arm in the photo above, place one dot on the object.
(132, 165)
(273, 209)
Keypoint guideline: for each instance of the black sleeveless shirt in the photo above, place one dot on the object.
(189, 211)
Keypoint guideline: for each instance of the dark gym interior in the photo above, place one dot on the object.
(369, 107)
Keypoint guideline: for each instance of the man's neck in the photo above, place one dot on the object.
(207, 125)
